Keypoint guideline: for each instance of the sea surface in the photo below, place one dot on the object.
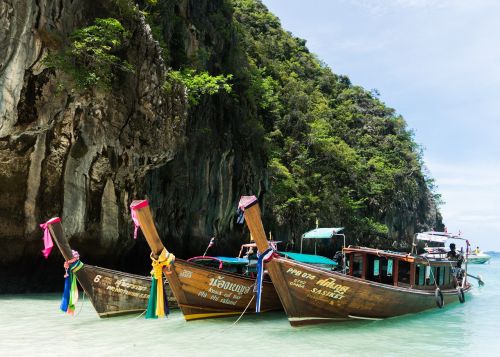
(33, 325)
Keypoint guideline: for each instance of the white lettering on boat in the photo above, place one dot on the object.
(220, 283)
(220, 296)
(300, 273)
(126, 284)
(118, 290)
(186, 274)
(330, 288)
(331, 284)
(330, 294)
(298, 283)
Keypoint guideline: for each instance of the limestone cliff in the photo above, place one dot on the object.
(85, 155)
(79, 155)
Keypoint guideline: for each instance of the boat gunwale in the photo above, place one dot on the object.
(373, 283)
(203, 267)
(117, 272)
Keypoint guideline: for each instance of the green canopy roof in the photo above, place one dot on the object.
(309, 258)
(233, 261)
(322, 233)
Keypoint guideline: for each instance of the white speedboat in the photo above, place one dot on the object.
(478, 257)
(435, 247)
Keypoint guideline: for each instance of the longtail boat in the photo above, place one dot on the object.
(111, 292)
(202, 291)
(377, 284)
(435, 246)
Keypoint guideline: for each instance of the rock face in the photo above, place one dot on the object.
(85, 155)
(79, 155)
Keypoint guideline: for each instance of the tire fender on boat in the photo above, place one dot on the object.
(439, 298)
(461, 295)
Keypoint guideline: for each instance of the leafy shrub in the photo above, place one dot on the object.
(90, 57)
(198, 83)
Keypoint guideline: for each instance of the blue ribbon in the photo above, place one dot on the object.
(260, 278)
(241, 216)
(65, 296)
(73, 268)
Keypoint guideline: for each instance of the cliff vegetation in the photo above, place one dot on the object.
(190, 103)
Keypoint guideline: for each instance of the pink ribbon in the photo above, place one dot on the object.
(246, 201)
(133, 207)
(136, 223)
(47, 239)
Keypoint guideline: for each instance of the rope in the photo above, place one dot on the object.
(81, 305)
(237, 320)
(142, 313)
(248, 305)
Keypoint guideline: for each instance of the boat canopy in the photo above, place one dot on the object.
(309, 258)
(439, 237)
(322, 233)
(233, 261)
(228, 261)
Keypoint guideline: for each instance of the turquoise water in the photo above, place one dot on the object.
(32, 324)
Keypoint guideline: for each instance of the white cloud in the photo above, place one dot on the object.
(472, 200)
(380, 7)
(437, 62)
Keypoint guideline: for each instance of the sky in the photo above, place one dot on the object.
(437, 62)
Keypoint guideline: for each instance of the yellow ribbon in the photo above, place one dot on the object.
(165, 260)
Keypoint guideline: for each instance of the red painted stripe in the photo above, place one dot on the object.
(140, 204)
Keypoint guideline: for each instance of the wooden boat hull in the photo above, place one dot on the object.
(312, 295)
(114, 293)
(111, 292)
(203, 292)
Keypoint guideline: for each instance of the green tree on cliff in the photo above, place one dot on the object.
(90, 57)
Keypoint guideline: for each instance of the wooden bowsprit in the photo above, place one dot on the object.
(111, 292)
(312, 295)
(204, 292)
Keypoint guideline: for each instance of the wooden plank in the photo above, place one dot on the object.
(254, 223)
(395, 266)
(365, 266)
(148, 227)
(57, 232)
(412, 274)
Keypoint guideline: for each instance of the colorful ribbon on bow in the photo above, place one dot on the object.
(133, 207)
(70, 294)
(245, 202)
(265, 257)
(158, 302)
(47, 239)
